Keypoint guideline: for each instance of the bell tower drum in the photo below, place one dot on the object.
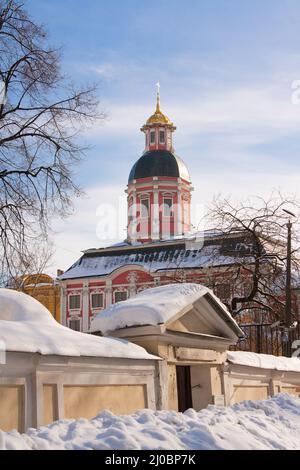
(159, 186)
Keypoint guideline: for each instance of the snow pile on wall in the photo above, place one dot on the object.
(264, 361)
(151, 307)
(268, 424)
(27, 326)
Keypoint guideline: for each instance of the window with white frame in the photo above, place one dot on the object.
(168, 207)
(74, 324)
(97, 300)
(74, 302)
(152, 137)
(120, 296)
(145, 208)
(161, 137)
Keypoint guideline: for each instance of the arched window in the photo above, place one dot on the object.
(161, 137)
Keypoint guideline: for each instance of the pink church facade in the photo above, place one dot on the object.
(159, 205)
(159, 248)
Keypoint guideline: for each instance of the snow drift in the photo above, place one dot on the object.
(267, 424)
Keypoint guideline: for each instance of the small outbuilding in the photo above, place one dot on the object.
(49, 372)
(188, 327)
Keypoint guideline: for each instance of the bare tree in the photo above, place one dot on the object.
(33, 263)
(256, 274)
(41, 116)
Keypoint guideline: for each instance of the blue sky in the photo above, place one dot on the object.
(226, 68)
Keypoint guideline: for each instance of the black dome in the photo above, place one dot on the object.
(158, 163)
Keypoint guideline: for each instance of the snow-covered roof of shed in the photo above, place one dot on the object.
(27, 326)
(155, 306)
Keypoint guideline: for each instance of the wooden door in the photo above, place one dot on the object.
(184, 389)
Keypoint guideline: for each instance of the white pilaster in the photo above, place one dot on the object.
(132, 216)
(85, 306)
(63, 305)
(132, 279)
(155, 217)
(179, 214)
(108, 293)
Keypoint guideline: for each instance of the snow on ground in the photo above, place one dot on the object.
(267, 424)
(27, 326)
(264, 361)
(152, 307)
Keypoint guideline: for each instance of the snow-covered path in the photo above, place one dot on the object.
(266, 424)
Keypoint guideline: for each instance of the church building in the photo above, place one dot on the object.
(160, 247)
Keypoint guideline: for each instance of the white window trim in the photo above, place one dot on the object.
(164, 207)
(75, 318)
(164, 141)
(145, 198)
(80, 301)
(120, 290)
(152, 132)
(91, 302)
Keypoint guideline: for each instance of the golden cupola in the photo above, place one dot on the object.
(158, 117)
(158, 129)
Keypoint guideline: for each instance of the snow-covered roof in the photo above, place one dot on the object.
(264, 361)
(155, 306)
(195, 252)
(27, 326)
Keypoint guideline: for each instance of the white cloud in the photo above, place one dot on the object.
(249, 115)
(105, 70)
